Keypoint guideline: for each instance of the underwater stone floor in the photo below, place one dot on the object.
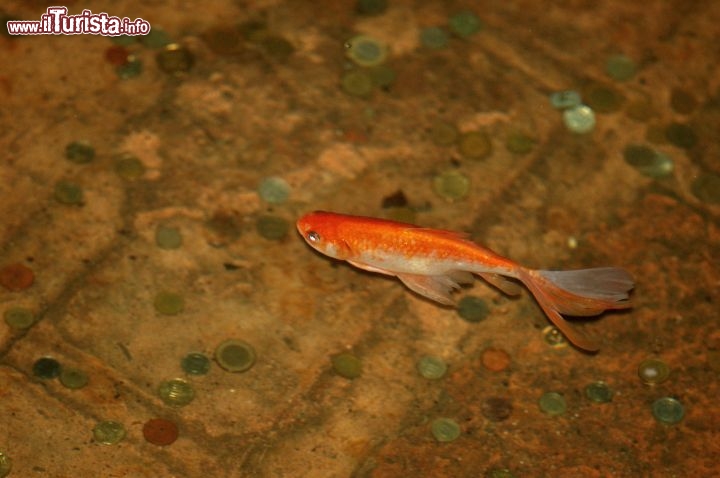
(149, 190)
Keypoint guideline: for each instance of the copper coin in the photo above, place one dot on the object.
(159, 431)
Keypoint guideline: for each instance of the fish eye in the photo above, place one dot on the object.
(313, 236)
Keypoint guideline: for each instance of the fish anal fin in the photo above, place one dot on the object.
(437, 288)
(506, 286)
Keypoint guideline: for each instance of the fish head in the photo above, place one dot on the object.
(322, 231)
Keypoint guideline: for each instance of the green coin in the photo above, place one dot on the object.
(19, 317)
(668, 410)
(445, 429)
(603, 99)
(68, 193)
(620, 67)
(347, 365)
(552, 403)
(562, 100)
(273, 228)
(451, 185)
(73, 378)
(235, 355)
(653, 371)
(129, 167)
(5, 465)
(365, 50)
(434, 38)
(79, 152)
(647, 161)
(638, 155)
(176, 392)
(357, 83)
(169, 303)
(553, 337)
(432, 368)
(472, 309)
(195, 364)
(475, 145)
(465, 24)
(599, 392)
(108, 432)
(46, 367)
(167, 237)
(274, 190)
(579, 119)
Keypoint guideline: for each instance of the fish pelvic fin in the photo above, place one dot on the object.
(438, 287)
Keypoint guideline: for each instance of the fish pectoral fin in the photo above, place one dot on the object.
(506, 286)
(437, 288)
(366, 267)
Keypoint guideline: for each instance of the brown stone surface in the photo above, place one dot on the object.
(247, 110)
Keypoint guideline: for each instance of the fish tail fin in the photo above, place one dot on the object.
(583, 292)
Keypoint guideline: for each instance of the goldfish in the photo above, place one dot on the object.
(436, 262)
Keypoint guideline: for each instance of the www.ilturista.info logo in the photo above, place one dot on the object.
(57, 22)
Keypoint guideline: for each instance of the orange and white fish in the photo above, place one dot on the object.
(434, 262)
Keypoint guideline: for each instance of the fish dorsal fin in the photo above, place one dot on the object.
(443, 233)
